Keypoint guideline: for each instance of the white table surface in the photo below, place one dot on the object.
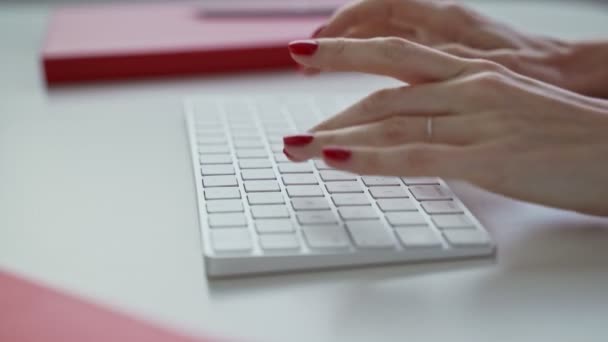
(96, 197)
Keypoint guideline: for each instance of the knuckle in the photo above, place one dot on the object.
(391, 48)
(339, 47)
(375, 101)
(393, 130)
(481, 88)
(483, 65)
(488, 81)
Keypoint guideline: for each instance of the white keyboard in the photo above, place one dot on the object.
(261, 213)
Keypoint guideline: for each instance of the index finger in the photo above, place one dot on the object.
(395, 57)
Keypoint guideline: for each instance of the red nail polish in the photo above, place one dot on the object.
(337, 153)
(317, 31)
(303, 47)
(298, 140)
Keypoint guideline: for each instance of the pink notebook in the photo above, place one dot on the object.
(123, 41)
(30, 312)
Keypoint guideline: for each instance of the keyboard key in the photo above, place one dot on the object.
(261, 185)
(274, 226)
(279, 242)
(350, 199)
(466, 237)
(247, 141)
(326, 237)
(265, 198)
(217, 169)
(420, 180)
(295, 168)
(212, 141)
(244, 144)
(396, 204)
(209, 131)
(370, 234)
(231, 240)
(253, 174)
(213, 149)
(412, 218)
(214, 181)
(276, 147)
(452, 221)
(222, 193)
(244, 133)
(321, 165)
(343, 187)
(418, 237)
(304, 191)
(223, 206)
(237, 109)
(227, 220)
(206, 159)
(275, 140)
(281, 158)
(380, 181)
(316, 217)
(388, 192)
(269, 211)
(334, 175)
(441, 207)
(357, 213)
(430, 192)
(299, 179)
(309, 203)
(210, 124)
(253, 153)
(254, 163)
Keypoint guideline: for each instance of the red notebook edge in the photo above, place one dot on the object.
(65, 70)
(75, 49)
(33, 312)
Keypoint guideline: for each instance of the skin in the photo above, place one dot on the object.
(461, 31)
(505, 132)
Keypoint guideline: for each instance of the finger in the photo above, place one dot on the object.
(395, 57)
(415, 160)
(374, 12)
(427, 99)
(349, 16)
(397, 130)
(367, 31)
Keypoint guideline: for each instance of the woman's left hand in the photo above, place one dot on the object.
(463, 119)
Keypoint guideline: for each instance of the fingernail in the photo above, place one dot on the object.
(337, 153)
(316, 32)
(288, 155)
(303, 47)
(298, 140)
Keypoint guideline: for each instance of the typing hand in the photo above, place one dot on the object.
(464, 119)
(458, 30)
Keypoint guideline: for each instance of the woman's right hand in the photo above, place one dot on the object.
(461, 31)
(463, 119)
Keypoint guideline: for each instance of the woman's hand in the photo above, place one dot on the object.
(458, 30)
(490, 126)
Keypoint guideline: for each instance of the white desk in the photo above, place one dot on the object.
(96, 197)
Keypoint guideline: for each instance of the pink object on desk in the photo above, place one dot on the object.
(104, 42)
(33, 313)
